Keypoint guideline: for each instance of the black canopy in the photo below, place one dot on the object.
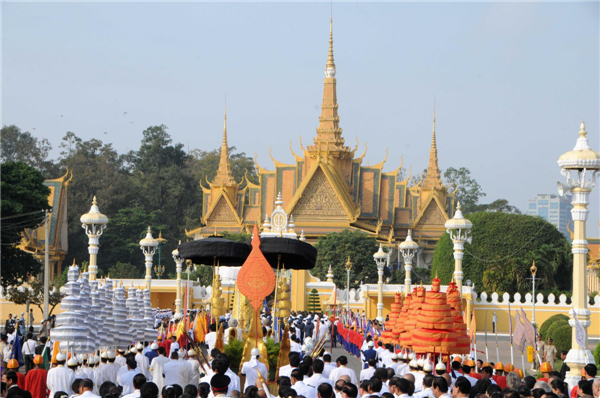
(215, 251)
(295, 254)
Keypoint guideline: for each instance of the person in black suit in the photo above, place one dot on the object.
(564, 368)
(11, 378)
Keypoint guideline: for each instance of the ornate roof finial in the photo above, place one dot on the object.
(330, 68)
(433, 177)
(224, 175)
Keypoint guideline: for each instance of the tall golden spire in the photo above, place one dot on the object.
(329, 132)
(433, 178)
(224, 175)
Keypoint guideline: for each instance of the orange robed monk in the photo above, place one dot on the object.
(35, 381)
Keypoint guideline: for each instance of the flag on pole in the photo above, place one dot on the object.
(528, 329)
(473, 329)
(519, 334)
(510, 326)
(579, 332)
(16, 351)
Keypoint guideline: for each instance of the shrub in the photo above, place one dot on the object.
(554, 327)
(597, 354)
(272, 356)
(562, 337)
(234, 350)
(550, 321)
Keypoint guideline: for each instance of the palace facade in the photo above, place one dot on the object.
(328, 188)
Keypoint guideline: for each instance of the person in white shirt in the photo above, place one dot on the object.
(195, 368)
(85, 389)
(461, 388)
(367, 373)
(386, 356)
(220, 367)
(231, 331)
(60, 378)
(328, 365)
(219, 385)
(402, 388)
(28, 351)
(138, 381)
(294, 359)
(125, 379)
(363, 389)
(341, 370)
(118, 358)
(318, 378)
(175, 371)
(142, 361)
(380, 350)
(440, 388)
(211, 338)
(156, 367)
(251, 368)
(174, 345)
(298, 385)
(427, 391)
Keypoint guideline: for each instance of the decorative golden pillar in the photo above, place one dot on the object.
(586, 164)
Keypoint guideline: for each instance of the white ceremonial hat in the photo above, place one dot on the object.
(413, 363)
(304, 348)
(111, 354)
(104, 355)
(370, 344)
(134, 350)
(154, 346)
(420, 362)
(191, 353)
(254, 352)
(139, 346)
(61, 356)
(72, 362)
(440, 366)
(394, 356)
(427, 366)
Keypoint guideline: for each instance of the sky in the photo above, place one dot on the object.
(511, 81)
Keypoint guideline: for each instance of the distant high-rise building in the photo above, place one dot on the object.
(554, 209)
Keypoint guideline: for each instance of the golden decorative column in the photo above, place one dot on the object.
(94, 224)
(584, 163)
(459, 229)
(148, 246)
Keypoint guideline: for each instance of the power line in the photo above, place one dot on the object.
(21, 215)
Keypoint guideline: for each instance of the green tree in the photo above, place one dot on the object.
(334, 249)
(499, 205)
(314, 301)
(24, 197)
(125, 271)
(242, 238)
(35, 295)
(20, 146)
(469, 191)
(503, 249)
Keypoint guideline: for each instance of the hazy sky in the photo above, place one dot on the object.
(512, 82)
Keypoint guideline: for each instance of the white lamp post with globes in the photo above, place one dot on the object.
(148, 246)
(580, 166)
(408, 248)
(380, 259)
(459, 229)
(94, 224)
(178, 268)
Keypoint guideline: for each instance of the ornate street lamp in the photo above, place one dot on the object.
(348, 268)
(94, 224)
(148, 246)
(178, 267)
(159, 270)
(380, 259)
(585, 164)
(459, 229)
(533, 270)
(408, 248)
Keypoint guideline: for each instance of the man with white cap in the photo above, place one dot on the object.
(251, 368)
(232, 331)
(369, 353)
(195, 368)
(60, 378)
(118, 358)
(142, 361)
(153, 353)
(156, 367)
(188, 366)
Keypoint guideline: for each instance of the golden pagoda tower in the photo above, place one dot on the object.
(400, 327)
(411, 322)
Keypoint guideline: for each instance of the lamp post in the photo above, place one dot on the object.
(158, 269)
(94, 224)
(408, 248)
(380, 259)
(348, 268)
(586, 164)
(459, 229)
(148, 246)
(533, 270)
(178, 267)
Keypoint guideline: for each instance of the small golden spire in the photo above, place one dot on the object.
(73, 262)
(330, 63)
(85, 268)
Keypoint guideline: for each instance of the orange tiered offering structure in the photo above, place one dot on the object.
(387, 335)
(463, 343)
(411, 322)
(400, 327)
(434, 331)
